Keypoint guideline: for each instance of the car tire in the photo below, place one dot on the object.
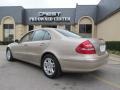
(9, 55)
(51, 66)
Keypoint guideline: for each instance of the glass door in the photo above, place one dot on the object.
(8, 32)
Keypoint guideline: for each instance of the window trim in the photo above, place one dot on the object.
(26, 35)
(48, 33)
(8, 26)
(33, 33)
(43, 36)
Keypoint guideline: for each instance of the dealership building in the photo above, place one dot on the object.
(96, 21)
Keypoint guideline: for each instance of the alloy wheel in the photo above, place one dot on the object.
(49, 66)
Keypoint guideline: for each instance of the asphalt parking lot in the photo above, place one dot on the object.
(22, 76)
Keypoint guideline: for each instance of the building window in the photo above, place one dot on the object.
(8, 26)
(67, 27)
(31, 27)
(49, 26)
(8, 32)
(85, 28)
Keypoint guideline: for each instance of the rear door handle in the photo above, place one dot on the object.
(41, 44)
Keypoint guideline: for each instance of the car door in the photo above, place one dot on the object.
(20, 50)
(40, 41)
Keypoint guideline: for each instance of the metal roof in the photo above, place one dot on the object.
(98, 12)
(14, 11)
(106, 8)
(85, 10)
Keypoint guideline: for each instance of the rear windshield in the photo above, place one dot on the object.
(68, 33)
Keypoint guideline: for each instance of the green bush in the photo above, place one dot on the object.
(113, 45)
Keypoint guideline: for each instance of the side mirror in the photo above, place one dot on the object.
(17, 41)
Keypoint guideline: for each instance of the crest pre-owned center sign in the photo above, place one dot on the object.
(49, 17)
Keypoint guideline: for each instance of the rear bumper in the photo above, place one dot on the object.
(86, 64)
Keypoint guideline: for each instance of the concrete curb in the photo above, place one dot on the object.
(114, 57)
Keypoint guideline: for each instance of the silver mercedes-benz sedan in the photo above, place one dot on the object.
(57, 50)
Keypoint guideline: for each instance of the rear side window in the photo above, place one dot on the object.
(38, 35)
(47, 36)
(68, 33)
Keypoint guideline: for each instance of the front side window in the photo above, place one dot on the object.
(38, 35)
(27, 37)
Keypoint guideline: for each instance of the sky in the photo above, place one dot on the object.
(47, 3)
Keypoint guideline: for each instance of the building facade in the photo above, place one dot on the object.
(96, 21)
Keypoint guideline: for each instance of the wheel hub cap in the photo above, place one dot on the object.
(8, 55)
(49, 66)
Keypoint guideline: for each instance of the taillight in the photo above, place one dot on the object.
(86, 48)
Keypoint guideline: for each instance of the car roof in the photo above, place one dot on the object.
(44, 29)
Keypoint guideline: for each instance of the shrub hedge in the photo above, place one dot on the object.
(113, 45)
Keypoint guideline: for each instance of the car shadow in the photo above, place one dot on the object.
(27, 64)
(79, 76)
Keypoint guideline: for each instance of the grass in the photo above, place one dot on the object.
(114, 52)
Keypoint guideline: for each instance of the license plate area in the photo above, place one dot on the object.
(102, 48)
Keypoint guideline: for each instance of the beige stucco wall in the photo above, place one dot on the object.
(20, 30)
(95, 31)
(61, 26)
(76, 28)
(8, 20)
(85, 20)
(1, 33)
(109, 29)
(37, 26)
(72, 28)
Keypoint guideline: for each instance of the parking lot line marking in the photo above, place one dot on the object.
(107, 82)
